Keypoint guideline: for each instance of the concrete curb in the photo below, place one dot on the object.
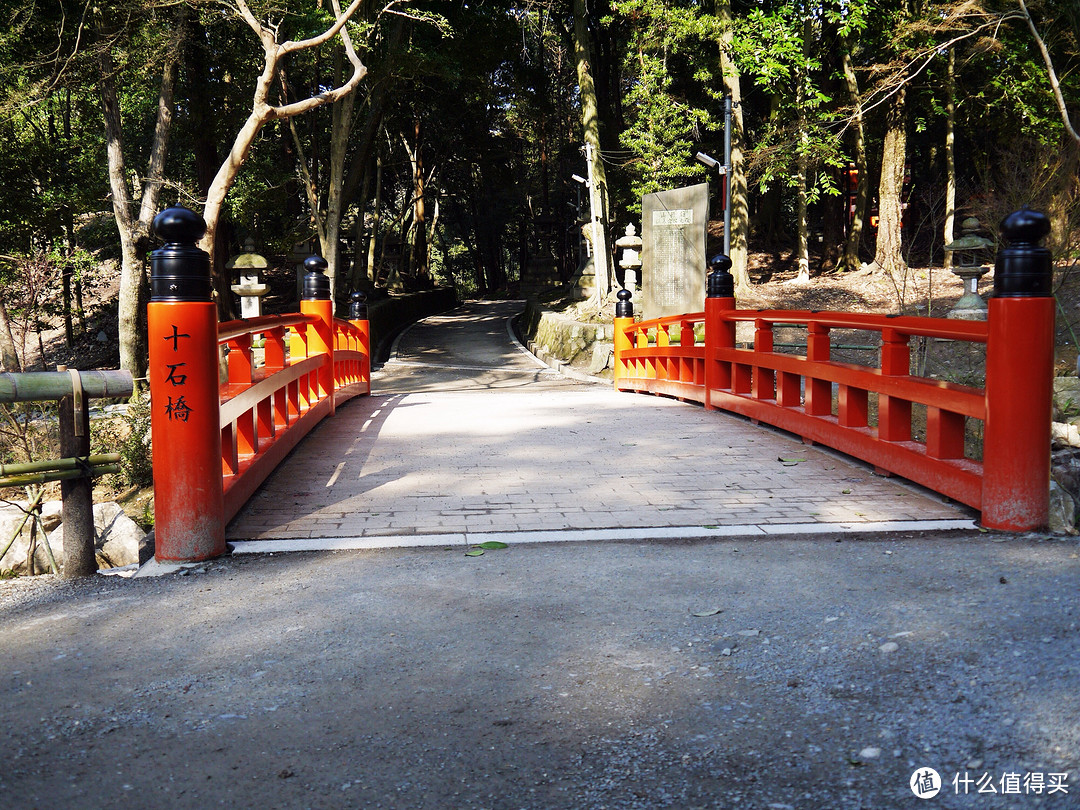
(591, 535)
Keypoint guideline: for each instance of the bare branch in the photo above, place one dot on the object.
(1051, 74)
(325, 36)
(246, 15)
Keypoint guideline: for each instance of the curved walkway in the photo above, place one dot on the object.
(467, 438)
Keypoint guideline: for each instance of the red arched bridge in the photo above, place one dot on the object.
(439, 458)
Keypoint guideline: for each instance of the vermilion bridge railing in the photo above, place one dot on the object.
(216, 442)
(830, 402)
(266, 409)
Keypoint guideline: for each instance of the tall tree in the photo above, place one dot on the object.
(737, 186)
(262, 111)
(590, 124)
(133, 224)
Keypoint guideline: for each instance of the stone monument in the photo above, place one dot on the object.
(673, 227)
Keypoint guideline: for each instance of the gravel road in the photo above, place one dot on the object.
(822, 673)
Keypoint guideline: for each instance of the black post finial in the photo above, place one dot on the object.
(1024, 269)
(179, 270)
(625, 307)
(721, 282)
(358, 309)
(316, 285)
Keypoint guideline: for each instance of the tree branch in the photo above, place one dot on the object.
(325, 36)
(1051, 74)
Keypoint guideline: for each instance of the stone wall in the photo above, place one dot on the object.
(561, 341)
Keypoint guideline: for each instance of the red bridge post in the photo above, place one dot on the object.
(624, 319)
(1019, 380)
(358, 316)
(719, 334)
(185, 425)
(316, 338)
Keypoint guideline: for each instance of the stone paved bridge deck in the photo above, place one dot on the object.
(466, 438)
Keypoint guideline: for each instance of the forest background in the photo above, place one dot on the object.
(415, 143)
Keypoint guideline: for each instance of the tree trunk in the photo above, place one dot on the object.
(590, 122)
(419, 246)
(950, 156)
(889, 254)
(262, 112)
(376, 209)
(134, 231)
(802, 252)
(9, 357)
(862, 180)
(740, 207)
(341, 130)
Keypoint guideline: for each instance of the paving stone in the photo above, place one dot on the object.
(444, 447)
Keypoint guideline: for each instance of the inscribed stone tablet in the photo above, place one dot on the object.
(673, 251)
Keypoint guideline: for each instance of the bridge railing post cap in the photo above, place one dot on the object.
(179, 225)
(720, 262)
(624, 295)
(1024, 268)
(721, 284)
(1026, 226)
(358, 310)
(315, 264)
(316, 284)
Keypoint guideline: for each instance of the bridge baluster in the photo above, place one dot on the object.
(894, 413)
(185, 422)
(663, 341)
(719, 333)
(624, 320)
(1019, 379)
(818, 395)
(763, 383)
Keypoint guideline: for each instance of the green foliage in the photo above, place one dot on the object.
(128, 435)
(493, 89)
(670, 61)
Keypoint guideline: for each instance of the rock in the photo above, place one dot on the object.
(870, 753)
(117, 538)
(1062, 510)
(50, 514)
(889, 647)
(1064, 434)
(1066, 397)
(602, 355)
(102, 336)
(11, 516)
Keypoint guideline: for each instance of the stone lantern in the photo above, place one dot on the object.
(630, 261)
(968, 254)
(250, 289)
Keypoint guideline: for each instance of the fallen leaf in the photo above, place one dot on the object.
(474, 552)
(492, 544)
(701, 614)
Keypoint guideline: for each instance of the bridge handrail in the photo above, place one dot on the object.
(795, 392)
(216, 441)
(266, 409)
(942, 328)
(254, 326)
